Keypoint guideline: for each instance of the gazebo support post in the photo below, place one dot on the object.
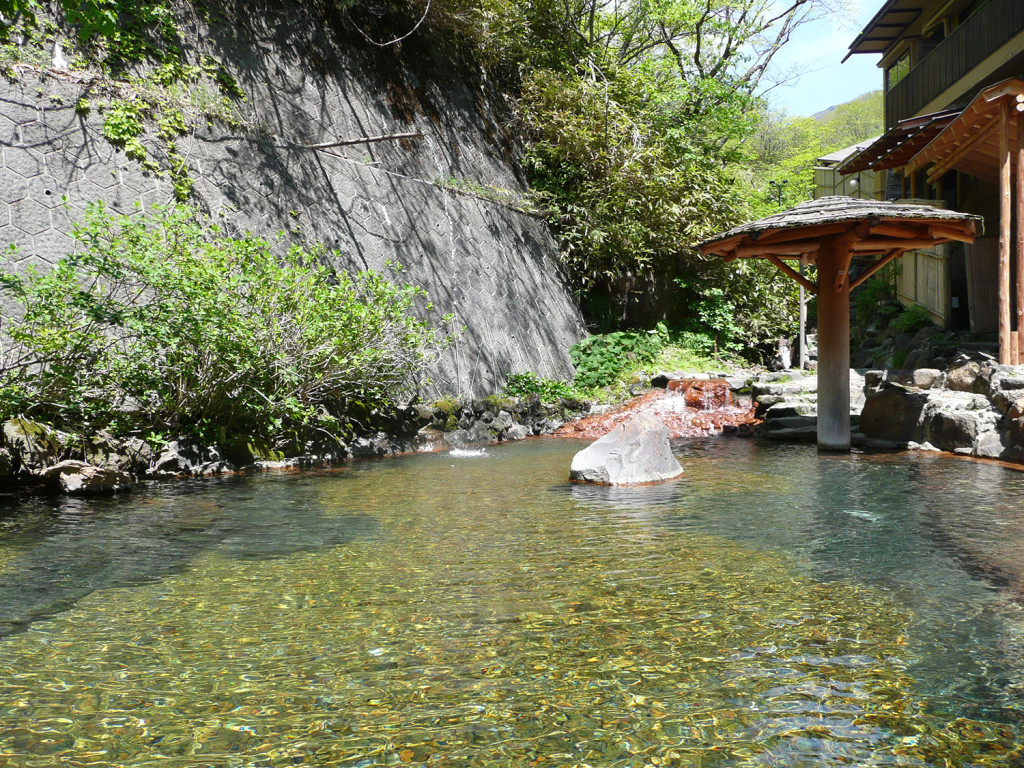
(833, 347)
(1019, 276)
(1005, 212)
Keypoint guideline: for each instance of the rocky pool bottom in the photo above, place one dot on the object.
(773, 607)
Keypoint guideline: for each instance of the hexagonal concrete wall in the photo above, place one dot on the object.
(492, 267)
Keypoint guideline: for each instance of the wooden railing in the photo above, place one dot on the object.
(974, 40)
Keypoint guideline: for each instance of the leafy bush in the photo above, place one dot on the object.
(164, 322)
(873, 300)
(912, 319)
(601, 360)
(549, 390)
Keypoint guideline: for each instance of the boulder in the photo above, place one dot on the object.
(369, 447)
(76, 477)
(503, 421)
(925, 378)
(244, 452)
(31, 445)
(6, 464)
(1009, 382)
(962, 377)
(892, 413)
(517, 432)
(950, 430)
(993, 445)
(637, 451)
(460, 438)
(105, 450)
(183, 457)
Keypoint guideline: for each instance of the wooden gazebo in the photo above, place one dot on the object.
(830, 233)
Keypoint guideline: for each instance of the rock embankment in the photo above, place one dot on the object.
(974, 407)
(787, 404)
(36, 455)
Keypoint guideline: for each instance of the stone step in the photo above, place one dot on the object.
(790, 434)
(790, 422)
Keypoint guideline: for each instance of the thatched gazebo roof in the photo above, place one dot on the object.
(837, 215)
(865, 226)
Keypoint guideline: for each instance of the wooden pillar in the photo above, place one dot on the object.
(803, 359)
(1019, 277)
(1005, 212)
(833, 348)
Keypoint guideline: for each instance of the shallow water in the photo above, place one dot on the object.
(775, 607)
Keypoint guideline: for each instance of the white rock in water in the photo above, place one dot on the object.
(637, 451)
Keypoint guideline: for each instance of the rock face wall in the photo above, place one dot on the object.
(493, 267)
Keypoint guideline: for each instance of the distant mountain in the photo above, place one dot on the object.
(865, 99)
(824, 114)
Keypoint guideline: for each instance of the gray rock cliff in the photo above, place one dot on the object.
(493, 267)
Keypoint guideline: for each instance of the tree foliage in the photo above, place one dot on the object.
(785, 149)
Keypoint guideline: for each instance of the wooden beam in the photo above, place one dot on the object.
(1011, 88)
(893, 229)
(1014, 348)
(883, 244)
(721, 247)
(844, 256)
(1005, 212)
(805, 233)
(951, 159)
(949, 233)
(790, 272)
(1020, 225)
(870, 271)
(776, 249)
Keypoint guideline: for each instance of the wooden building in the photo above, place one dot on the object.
(937, 57)
(829, 181)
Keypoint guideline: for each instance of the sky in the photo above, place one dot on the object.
(815, 51)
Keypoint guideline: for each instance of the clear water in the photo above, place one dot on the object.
(773, 608)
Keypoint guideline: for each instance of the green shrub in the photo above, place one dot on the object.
(911, 319)
(549, 390)
(601, 360)
(164, 323)
(873, 300)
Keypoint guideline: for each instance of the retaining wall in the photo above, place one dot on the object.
(493, 267)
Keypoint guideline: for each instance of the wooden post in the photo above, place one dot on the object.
(833, 348)
(803, 320)
(1005, 212)
(1019, 277)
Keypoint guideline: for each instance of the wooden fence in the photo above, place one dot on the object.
(923, 279)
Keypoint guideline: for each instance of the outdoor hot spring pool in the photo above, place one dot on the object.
(775, 607)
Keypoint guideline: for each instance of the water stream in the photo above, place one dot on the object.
(775, 607)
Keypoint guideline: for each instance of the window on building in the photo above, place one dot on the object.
(897, 71)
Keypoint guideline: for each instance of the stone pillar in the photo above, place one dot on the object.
(833, 348)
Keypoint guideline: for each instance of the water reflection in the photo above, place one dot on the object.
(773, 607)
(646, 500)
(60, 550)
